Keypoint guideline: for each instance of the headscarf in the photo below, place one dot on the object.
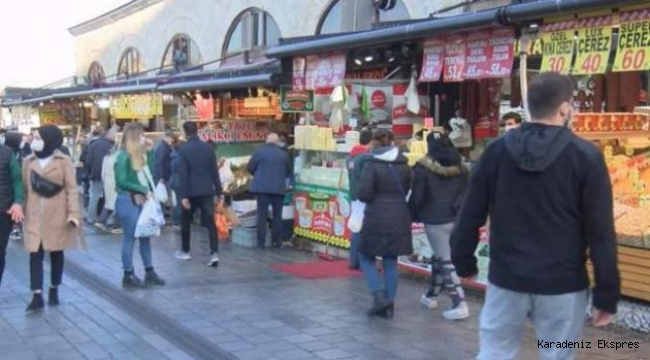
(442, 150)
(52, 139)
(13, 140)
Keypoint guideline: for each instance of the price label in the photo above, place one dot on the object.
(477, 56)
(432, 62)
(502, 53)
(594, 45)
(558, 47)
(428, 123)
(633, 53)
(454, 59)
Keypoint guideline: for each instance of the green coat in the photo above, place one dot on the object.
(126, 179)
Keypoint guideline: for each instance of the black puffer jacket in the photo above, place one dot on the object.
(438, 191)
(385, 182)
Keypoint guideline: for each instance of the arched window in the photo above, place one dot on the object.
(96, 74)
(356, 15)
(130, 64)
(181, 53)
(252, 29)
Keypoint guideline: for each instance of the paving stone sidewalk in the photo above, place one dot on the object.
(242, 310)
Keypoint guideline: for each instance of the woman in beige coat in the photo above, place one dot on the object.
(51, 210)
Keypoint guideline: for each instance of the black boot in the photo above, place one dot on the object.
(379, 304)
(131, 281)
(152, 278)
(36, 304)
(388, 312)
(53, 297)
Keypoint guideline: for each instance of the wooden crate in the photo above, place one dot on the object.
(634, 266)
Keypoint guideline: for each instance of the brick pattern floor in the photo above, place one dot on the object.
(242, 310)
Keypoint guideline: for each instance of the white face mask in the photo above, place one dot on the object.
(508, 128)
(38, 145)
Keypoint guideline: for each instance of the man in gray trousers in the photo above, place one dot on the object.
(548, 197)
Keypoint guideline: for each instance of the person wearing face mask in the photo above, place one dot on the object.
(52, 211)
(549, 199)
(511, 120)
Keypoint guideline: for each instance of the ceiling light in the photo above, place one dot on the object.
(358, 62)
(369, 58)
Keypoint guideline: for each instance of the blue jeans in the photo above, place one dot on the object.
(95, 194)
(354, 250)
(372, 275)
(128, 213)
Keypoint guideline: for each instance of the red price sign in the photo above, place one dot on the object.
(433, 59)
(476, 56)
(455, 50)
(502, 53)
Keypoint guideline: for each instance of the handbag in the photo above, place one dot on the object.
(44, 187)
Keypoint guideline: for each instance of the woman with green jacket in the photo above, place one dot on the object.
(134, 184)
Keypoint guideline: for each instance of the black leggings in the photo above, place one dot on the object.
(6, 226)
(36, 268)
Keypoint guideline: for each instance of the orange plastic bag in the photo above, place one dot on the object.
(223, 230)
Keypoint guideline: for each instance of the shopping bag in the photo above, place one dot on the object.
(150, 221)
(161, 193)
(356, 216)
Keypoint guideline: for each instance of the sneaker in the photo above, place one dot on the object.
(430, 303)
(101, 227)
(458, 313)
(116, 231)
(182, 255)
(132, 281)
(214, 260)
(152, 278)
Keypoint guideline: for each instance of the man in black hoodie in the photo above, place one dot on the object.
(548, 196)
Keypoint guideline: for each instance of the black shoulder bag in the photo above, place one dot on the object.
(43, 186)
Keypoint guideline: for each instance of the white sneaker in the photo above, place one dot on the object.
(100, 226)
(430, 303)
(214, 260)
(458, 313)
(182, 255)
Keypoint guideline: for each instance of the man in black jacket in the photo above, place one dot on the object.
(548, 196)
(199, 181)
(93, 163)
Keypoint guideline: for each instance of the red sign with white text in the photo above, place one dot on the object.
(501, 53)
(476, 56)
(299, 68)
(433, 60)
(454, 67)
(325, 71)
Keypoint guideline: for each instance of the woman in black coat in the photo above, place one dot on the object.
(440, 181)
(386, 230)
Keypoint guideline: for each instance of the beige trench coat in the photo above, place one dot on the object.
(46, 220)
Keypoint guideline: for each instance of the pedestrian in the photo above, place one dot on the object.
(386, 228)
(15, 141)
(107, 219)
(163, 151)
(548, 196)
(83, 159)
(199, 184)
(354, 164)
(511, 120)
(439, 185)
(12, 194)
(174, 185)
(134, 184)
(270, 166)
(52, 216)
(93, 163)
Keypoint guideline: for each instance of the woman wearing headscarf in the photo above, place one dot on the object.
(439, 184)
(134, 184)
(386, 228)
(51, 211)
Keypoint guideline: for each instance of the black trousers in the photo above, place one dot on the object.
(6, 226)
(36, 268)
(205, 204)
(263, 202)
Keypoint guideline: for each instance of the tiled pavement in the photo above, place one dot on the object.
(242, 310)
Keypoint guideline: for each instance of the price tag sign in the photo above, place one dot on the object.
(558, 47)
(476, 56)
(428, 123)
(454, 68)
(501, 53)
(433, 60)
(594, 44)
(633, 53)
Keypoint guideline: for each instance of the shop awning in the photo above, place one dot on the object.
(126, 89)
(507, 15)
(224, 83)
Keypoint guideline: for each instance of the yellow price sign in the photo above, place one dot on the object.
(558, 46)
(633, 53)
(594, 45)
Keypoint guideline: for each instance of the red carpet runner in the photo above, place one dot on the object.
(318, 269)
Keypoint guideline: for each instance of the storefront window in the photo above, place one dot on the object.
(130, 64)
(356, 15)
(181, 52)
(253, 29)
(96, 74)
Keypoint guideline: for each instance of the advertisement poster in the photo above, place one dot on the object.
(633, 53)
(322, 214)
(454, 67)
(501, 53)
(559, 45)
(299, 68)
(477, 54)
(594, 45)
(433, 60)
(323, 72)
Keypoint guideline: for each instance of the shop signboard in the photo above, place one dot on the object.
(594, 45)
(477, 53)
(433, 60)
(454, 66)
(143, 106)
(501, 53)
(60, 113)
(296, 101)
(322, 214)
(323, 72)
(558, 46)
(235, 132)
(633, 53)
